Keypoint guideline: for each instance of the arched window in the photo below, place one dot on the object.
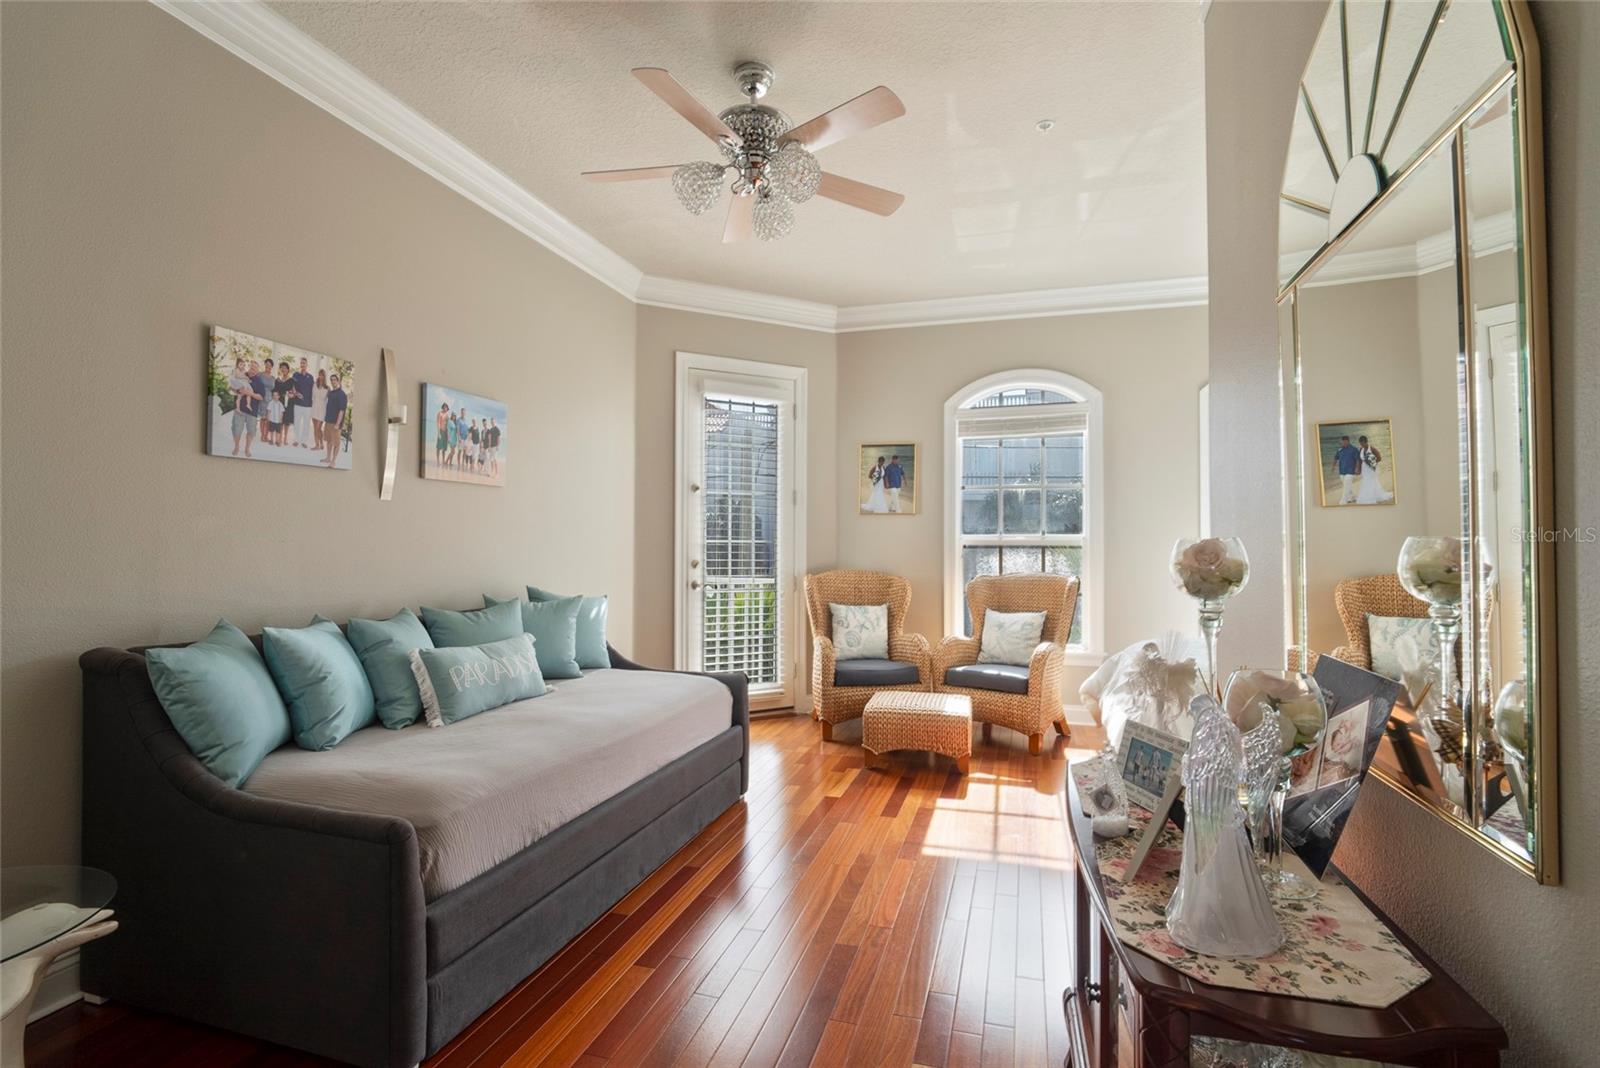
(1023, 456)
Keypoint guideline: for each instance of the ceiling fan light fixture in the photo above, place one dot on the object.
(698, 185)
(795, 172)
(774, 216)
(770, 158)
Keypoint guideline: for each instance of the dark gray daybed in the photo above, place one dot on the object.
(315, 926)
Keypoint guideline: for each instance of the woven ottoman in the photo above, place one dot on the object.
(910, 719)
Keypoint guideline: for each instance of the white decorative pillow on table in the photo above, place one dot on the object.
(1010, 637)
(860, 631)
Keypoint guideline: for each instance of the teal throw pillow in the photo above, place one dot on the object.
(321, 680)
(384, 647)
(477, 627)
(554, 627)
(592, 651)
(462, 681)
(222, 701)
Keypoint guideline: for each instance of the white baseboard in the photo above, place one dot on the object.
(1079, 714)
(60, 986)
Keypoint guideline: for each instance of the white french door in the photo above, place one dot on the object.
(738, 506)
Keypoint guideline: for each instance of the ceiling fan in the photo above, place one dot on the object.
(771, 160)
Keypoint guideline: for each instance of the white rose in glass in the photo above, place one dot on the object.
(1207, 569)
(1430, 569)
(1251, 693)
(1205, 554)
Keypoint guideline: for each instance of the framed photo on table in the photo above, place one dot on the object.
(1151, 763)
(1329, 777)
(1149, 760)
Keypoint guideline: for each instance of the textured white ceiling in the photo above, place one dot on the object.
(1115, 193)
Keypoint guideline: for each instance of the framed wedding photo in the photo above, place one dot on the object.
(1150, 761)
(886, 479)
(1356, 458)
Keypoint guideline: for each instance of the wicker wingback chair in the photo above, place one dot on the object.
(1026, 700)
(840, 691)
(1357, 598)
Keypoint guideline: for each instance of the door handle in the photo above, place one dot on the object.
(693, 564)
(694, 584)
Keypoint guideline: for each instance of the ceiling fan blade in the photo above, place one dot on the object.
(631, 174)
(872, 108)
(871, 198)
(683, 102)
(741, 220)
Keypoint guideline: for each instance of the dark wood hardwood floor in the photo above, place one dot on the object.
(838, 916)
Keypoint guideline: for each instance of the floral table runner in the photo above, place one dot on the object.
(1335, 948)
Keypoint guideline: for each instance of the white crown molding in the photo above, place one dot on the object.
(259, 36)
(264, 39)
(1031, 304)
(708, 299)
(1491, 234)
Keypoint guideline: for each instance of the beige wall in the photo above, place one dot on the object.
(662, 333)
(1149, 365)
(1527, 952)
(1359, 359)
(155, 184)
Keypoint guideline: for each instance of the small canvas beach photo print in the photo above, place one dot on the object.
(269, 401)
(1357, 462)
(463, 436)
(887, 479)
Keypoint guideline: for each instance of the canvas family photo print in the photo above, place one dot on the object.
(463, 436)
(270, 401)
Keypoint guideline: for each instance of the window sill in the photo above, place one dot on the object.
(1083, 658)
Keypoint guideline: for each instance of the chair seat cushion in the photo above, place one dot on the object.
(874, 673)
(1003, 678)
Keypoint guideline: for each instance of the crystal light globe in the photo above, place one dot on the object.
(774, 216)
(795, 172)
(698, 186)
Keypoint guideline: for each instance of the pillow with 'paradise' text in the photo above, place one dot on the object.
(464, 680)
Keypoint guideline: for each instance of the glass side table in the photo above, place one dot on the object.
(44, 912)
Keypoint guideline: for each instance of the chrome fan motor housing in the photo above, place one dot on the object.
(759, 128)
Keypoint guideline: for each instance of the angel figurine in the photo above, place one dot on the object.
(1221, 907)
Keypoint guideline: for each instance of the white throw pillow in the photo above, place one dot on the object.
(1009, 637)
(1385, 635)
(860, 631)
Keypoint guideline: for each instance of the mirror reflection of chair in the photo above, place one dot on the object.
(1026, 698)
(840, 689)
(1373, 595)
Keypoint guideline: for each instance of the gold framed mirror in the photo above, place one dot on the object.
(1416, 386)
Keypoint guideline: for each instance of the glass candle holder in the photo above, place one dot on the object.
(1302, 711)
(1430, 570)
(1210, 570)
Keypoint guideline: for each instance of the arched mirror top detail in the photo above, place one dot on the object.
(1416, 371)
(1386, 82)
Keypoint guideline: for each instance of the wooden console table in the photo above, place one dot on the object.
(1128, 1010)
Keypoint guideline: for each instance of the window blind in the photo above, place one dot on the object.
(1023, 421)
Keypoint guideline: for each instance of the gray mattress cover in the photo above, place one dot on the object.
(482, 790)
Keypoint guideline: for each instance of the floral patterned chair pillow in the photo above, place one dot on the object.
(1010, 637)
(1387, 635)
(860, 631)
